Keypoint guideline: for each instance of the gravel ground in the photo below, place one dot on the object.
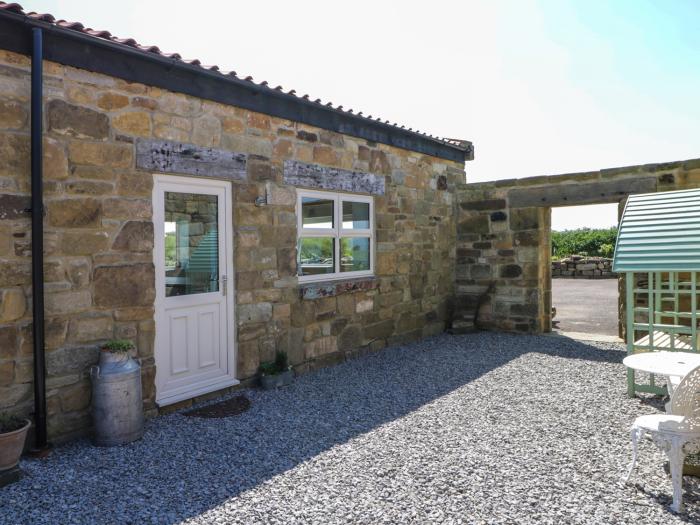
(484, 428)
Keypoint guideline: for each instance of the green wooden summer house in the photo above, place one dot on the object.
(658, 251)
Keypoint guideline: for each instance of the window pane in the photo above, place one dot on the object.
(316, 213)
(355, 215)
(315, 255)
(191, 243)
(354, 254)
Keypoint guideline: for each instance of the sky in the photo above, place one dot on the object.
(589, 216)
(540, 87)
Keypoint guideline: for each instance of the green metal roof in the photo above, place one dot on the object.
(659, 232)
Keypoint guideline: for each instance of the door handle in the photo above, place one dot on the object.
(224, 284)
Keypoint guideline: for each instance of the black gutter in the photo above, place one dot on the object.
(40, 431)
(73, 48)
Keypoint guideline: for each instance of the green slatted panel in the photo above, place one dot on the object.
(659, 240)
(659, 232)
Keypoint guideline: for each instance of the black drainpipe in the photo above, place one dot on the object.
(37, 206)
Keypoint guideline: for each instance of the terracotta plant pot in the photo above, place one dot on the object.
(11, 446)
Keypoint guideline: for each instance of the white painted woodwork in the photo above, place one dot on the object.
(677, 433)
(195, 338)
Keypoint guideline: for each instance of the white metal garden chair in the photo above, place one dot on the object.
(676, 433)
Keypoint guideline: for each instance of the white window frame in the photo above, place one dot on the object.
(336, 232)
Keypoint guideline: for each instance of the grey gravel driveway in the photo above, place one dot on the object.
(482, 428)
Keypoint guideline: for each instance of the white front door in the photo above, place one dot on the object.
(193, 254)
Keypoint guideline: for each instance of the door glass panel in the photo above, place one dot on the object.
(315, 255)
(354, 254)
(355, 215)
(316, 213)
(191, 243)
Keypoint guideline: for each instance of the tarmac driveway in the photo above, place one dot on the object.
(585, 305)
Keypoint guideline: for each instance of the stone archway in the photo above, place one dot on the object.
(503, 274)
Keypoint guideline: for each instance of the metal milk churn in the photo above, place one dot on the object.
(117, 406)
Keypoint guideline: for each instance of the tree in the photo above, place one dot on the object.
(584, 241)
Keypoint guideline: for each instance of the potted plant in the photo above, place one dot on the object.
(118, 346)
(13, 433)
(274, 374)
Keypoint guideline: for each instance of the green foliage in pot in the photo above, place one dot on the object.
(10, 423)
(118, 345)
(279, 365)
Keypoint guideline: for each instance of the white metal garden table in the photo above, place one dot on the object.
(673, 365)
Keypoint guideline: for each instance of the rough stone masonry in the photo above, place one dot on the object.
(100, 133)
(583, 267)
(503, 270)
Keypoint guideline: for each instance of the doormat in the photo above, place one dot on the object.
(229, 407)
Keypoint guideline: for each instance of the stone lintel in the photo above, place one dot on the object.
(318, 290)
(175, 157)
(326, 178)
(582, 193)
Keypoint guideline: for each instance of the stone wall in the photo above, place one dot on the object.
(99, 234)
(503, 238)
(578, 266)
(98, 238)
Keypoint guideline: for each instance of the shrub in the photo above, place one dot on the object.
(607, 250)
(584, 241)
(10, 423)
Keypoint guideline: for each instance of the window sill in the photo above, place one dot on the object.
(317, 290)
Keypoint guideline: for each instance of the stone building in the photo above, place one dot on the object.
(214, 221)
(210, 219)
